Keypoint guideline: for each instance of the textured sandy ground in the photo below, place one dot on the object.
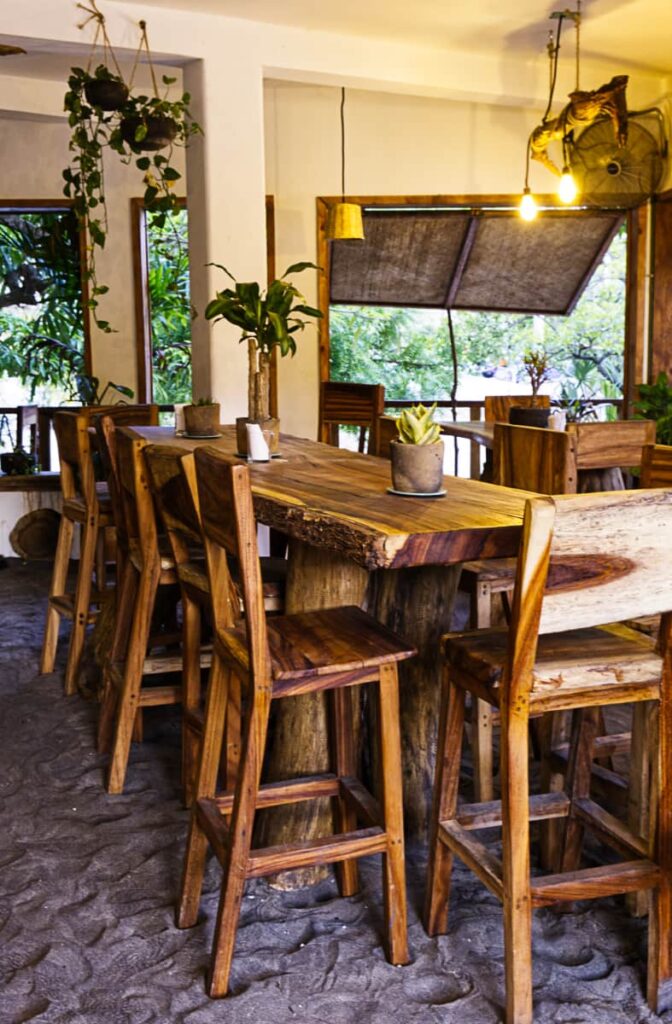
(87, 886)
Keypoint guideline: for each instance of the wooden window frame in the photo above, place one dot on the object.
(635, 261)
(143, 316)
(56, 205)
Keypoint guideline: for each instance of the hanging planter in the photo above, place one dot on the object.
(105, 90)
(104, 113)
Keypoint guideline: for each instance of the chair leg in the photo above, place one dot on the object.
(127, 704)
(579, 769)
(124, 604)
(639, 785)
(481, 743)
(444, 805)
(57, 589)
(100, 562)
(553, 730)
(231, 754)
(240, 836)
(481, 721)
(80, 616)
(343, 764)
(659, 976)
(516, 867)
(206, 785)
(191, 691)
(394, 874)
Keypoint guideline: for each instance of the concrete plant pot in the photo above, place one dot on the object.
(532, 417)
(417, 468)
(201, 420)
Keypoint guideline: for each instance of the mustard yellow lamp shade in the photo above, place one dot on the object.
(345, 221)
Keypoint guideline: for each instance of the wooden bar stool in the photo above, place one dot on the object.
(346, 404)
(332, 651)
(150, 566)
(584, 560)
(85, 503)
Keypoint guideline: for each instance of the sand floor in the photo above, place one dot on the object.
(88, 883)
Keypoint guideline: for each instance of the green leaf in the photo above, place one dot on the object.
(143, 163)
(296, 268)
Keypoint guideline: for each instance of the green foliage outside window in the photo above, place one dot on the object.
(170, 307)
(408, 350)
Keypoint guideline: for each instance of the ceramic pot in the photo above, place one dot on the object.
(106, 93)
(270, 428)
(201, 420)
(417, 468)
(160, 132)
(524, 417)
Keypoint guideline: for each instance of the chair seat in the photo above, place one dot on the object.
(310, 644)
(569, 666)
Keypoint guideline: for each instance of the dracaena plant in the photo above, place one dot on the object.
(416, 425)
(267, 320)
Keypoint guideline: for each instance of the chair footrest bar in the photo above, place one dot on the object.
(363, 803)
(155, 696)
(474, 854)
(309, 853)
(214, 826)
(610, 829)
(590, 883)
(273, 794)
(489, 815)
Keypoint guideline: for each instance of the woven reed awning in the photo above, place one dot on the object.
(476, 259)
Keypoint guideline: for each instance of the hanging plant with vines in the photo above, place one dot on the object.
(103, 112)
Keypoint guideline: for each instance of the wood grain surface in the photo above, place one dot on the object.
(336, 499)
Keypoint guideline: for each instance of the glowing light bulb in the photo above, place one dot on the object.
(528, 208)
(567, 190)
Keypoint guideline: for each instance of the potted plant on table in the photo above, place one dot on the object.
(202, 418)
(535, 364)
(268, 320)
(417, 455)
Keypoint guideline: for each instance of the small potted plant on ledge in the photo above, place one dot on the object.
(268, 320)
(535, 364)
(417, 456)
(202, 418)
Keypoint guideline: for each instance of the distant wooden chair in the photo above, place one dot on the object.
(656, 468)
(357, 405)
(387, 432)
(332, 651)
(86, 503)
(584, 560)
(497, 407)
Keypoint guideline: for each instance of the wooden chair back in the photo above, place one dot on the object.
(586, 560)
(611, 444)
(106, 423)
(137, 506)
(387, 432)
(534, 459)
(656, 466)
(75, 456)
(172, 480)
(345, 404)
(229, 528)
(497, 406)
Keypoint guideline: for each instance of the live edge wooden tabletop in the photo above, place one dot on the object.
(337, 499)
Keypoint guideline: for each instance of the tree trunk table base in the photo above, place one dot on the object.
(417, 603)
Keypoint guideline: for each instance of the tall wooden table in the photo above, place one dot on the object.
(352, 543)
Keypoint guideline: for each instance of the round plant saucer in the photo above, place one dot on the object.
(417, 494)
(196, 437)
(274, 455)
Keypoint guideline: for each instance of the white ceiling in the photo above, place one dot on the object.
(632, 32)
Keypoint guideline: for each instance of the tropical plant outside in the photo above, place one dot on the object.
(170, 308)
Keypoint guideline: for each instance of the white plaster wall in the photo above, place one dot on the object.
(395, 145)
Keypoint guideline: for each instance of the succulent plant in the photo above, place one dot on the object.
(416, 425)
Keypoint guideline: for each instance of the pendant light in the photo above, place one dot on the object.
(345, 219)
